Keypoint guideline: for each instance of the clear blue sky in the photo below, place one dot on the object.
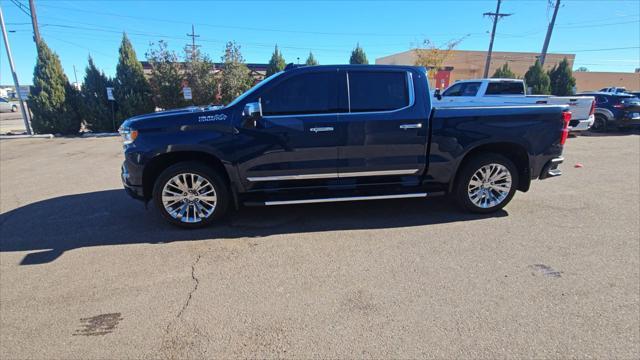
(330, 29)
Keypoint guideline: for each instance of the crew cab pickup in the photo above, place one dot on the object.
(337, 133)
(492, 92)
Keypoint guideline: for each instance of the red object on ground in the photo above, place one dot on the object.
(578, 165)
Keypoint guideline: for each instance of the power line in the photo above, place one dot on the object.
(244, 27)
(22, 7)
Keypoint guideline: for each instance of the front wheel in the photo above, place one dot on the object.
(191, 195)
(486, 183)
(14, 108)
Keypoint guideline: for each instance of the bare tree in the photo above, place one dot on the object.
(433, 56)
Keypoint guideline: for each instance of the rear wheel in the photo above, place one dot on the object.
(191, 195)
(599, 124)
(486, 183)
(14, 108)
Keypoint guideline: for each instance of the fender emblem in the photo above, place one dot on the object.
(217, 117)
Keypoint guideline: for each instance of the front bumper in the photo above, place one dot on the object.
(581, 125)
(135, 191)
(630, 119)
(550, 169)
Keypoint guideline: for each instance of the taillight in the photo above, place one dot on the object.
(566, 117)
(593, 107)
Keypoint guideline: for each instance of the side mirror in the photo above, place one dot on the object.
(251, 113)
(437, 94)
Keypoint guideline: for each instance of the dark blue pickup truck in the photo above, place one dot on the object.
(337, 133)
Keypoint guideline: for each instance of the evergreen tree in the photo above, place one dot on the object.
(562, 80)
(311, 60)
(538, 80)
(96, 108)
(358, 56)
(132, 92)
(235, 74)
(53, 101)
(199, 73)
(277, 63)
(504, 72)
(166, 77)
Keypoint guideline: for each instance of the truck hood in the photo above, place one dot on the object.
(176, 117)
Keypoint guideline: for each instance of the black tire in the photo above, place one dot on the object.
(14, 108)
(599, 124)
(217, 180)
(466, 173)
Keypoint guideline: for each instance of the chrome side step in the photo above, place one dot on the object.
(351, 198)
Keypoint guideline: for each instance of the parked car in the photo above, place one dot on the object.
(7, 106)
(337, 133)
(614, 90)
(493, 92)
(615, 110)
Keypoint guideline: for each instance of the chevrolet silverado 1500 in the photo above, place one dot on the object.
(337, 133)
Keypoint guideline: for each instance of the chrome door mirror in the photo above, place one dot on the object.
(251, 113)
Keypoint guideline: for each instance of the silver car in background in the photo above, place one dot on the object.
(7, 106)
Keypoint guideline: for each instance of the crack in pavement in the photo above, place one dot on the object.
(197, 282)
(180, 338)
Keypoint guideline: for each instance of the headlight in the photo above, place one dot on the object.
(128, 135)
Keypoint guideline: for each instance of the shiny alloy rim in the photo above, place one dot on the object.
(489, 186)
(189, 198)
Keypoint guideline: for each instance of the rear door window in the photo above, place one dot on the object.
(310, 93)
(505, 88)
(463, 89)
(378, 91)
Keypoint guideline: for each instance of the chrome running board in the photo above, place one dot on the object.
(351, 198)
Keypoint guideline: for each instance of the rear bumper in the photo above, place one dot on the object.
(581, 125)
(550, 169)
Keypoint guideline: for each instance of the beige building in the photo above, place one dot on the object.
(463, 64)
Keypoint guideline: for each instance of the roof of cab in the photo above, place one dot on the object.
(293, 67)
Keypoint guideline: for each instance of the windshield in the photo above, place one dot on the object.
(253, 89)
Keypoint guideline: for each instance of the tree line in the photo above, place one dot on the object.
(58, 107)
(558, 81)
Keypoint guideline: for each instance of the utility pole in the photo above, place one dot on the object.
(193, 42)
(496, 16)
(25, 113)
(549, 31)
(34, 21)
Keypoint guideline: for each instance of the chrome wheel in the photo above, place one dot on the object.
(189, 198)
(489, 186)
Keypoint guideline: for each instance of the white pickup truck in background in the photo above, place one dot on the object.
(495, 92)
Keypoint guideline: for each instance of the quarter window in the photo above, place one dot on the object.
(505, 88)
(311, 93)
(377, 91)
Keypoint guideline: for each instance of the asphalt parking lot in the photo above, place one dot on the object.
(86, 272)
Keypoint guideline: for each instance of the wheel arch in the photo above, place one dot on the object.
(515, 152)
(159, 163)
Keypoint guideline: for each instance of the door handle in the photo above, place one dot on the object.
(321, 129)
(410, 126)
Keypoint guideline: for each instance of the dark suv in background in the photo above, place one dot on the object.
(614, 111)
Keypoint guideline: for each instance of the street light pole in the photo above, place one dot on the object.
(25, 113)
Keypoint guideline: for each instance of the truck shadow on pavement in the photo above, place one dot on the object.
(50, 227)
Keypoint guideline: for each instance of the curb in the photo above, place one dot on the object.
(98, 135)
(41, 136)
